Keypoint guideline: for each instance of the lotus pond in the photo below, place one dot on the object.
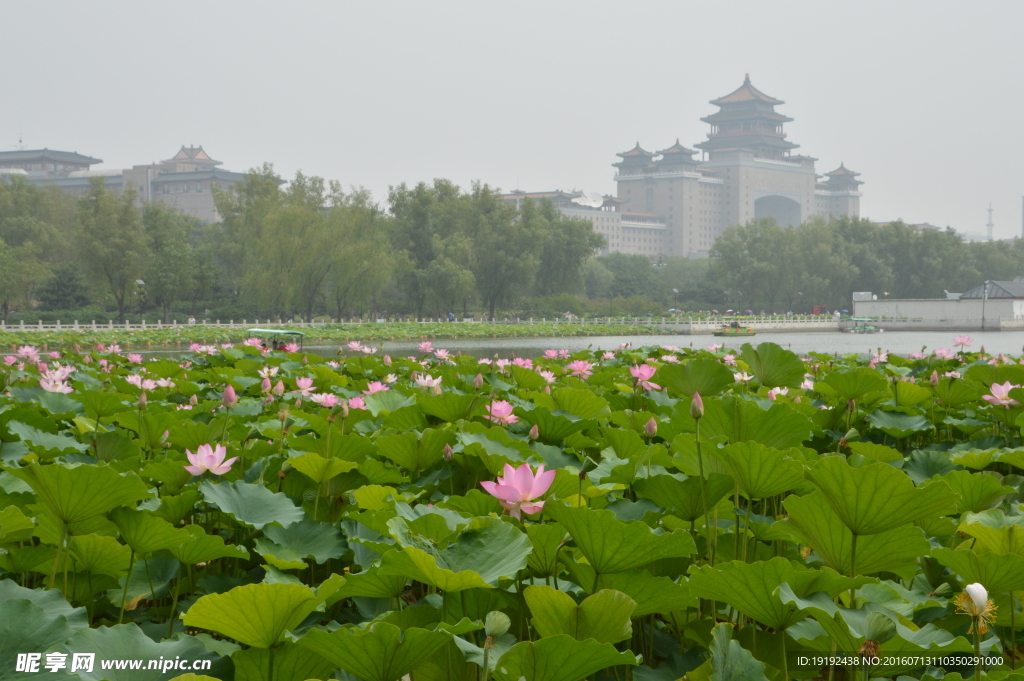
(650, 513)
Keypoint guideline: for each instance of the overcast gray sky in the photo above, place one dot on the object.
(923, 98)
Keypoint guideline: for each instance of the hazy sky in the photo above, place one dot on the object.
(923, 98)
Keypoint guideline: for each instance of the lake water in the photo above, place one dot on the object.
(898, 342)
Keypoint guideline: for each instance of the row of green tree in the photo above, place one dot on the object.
(307, 248)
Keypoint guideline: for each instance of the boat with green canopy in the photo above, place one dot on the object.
(278, 337)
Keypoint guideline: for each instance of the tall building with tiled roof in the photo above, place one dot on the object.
(184, 181)
(747, 170)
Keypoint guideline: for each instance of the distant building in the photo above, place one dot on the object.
(633, 233)
(747, 171)
(981, 307)
(183, 181)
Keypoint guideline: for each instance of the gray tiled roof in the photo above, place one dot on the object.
(997, 289)
(26, 155)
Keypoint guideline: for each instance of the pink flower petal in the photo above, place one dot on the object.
(542, 482)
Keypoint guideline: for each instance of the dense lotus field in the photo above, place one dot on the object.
(650, 513)
(155, 338)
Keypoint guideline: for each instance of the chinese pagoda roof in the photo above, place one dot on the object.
(745, 142)
(734, 115)
(193, 155)
(635, 151)
(677, 148)
(745, 93)
(47, 155)
(842, 171)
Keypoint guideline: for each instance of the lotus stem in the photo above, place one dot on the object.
(124, 594)
(174, 606)
(977, 649)
(853, 569)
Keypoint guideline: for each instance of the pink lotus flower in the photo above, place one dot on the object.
(581, 368)
(952, 374)
(207, 458)
(114, 349)
(355, 346)
(518, 490)
(366, 350)
(943, 353)
(643, 374)
(54, 355)
(10, 360)
(356, 403)
(428, 381)
(290, 347)
(375, 387)
(134, 358)
(278, 388)
(808, 384)
(1001, 394)
(715, 347)
(229, 398)
(390, 378)
(266, 386)
(775, 392)
(729, 360)
(501, 413)
(164, 383)
(327, 400)
(607, 355)
(51, 385)
(741, 377)
(523, 362)
(253, 342)
(962, 341)
(29, 352)
(305, 385)
(442, 354)
(426, 346)
(670, 359)
(268, 372)
(563, 354)
(916, 355)
(387, 360)
(551, 354)
(548, 376)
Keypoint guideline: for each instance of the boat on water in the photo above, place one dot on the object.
(860, 325)
(734, 329)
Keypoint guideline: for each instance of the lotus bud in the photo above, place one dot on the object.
(142, 400)
(935, 378)
(534, 432)
(448, 453)
(281, 474)
(343, 409)
(279, 388)
(268, 400)
(305, 360)
(437, 389)
(87, 359)
(298, 402)
(478, 382)
(77, 348)
(229, 398)
(697, 407)
(797, 400)
(851, 405)
(496, 623)
(282, 414)
(843, 443)
(651, 428)
(194, 400)
(266, 385)
(387, 360)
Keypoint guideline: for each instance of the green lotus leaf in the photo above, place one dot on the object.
(874, 451)
(309, 539)
(994, 531)
(191, 435)
(258, 615)
(170, 472)
(406, 418)
(387, 400)
(559, 658)
(954, 393)
(77, 492)
(150, 425)
(381, 652)
(128, 642)
(15, 525)
(100, 555)
(760, 471)
(416, 452)
(278, 556)
(998, 572)
(554, 428)
(526, 378)
(291, 663)
(975, 492)
(115, 446)
(372, 584)
(545, 539)
(28, 628)
(704, 376)
(252, 504)
(146, 533)
(899, 424)
(51, 601)
(651, 594)
(605, 616)
(174, 508)
(205, 547)
(853, 384)
(895, 550)
(99, 404)
(47, 445)
(28, 559)
(730, 661)
(611, 545)
(847, 628)
(780, 427)
(751, 587)
(683, 497)
(319, 469)
(575, 401)
(773, 366)
(148, 580)
(447, 407)
(474, 503)
(487, 550)
(877, 497)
